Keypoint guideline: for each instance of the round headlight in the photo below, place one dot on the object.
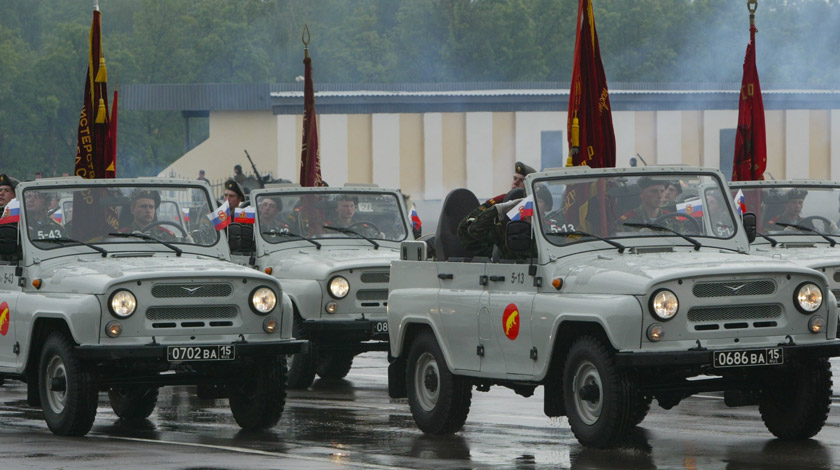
(808, 297)
(123, 304)
(664, 304)
(263, 300)
(339, 287)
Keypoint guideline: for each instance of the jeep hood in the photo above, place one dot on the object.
(817, 256)
(95, 275)
(635, 274)
(306, 263)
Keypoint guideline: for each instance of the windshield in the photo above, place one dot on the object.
(651, 205)
(813, 207)
(89, 214)
(288, 216)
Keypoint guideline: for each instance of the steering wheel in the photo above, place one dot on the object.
(165, 222)
(809, 222)
(368, 227)
(695, 226)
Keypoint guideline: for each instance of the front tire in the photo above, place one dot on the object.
(334, 365)
(67, 390)
(439, 400)
(301, 367)
(133, 402)
(601, 400)
(796, 404)
(258, 401)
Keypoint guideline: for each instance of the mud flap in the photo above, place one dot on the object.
(396, 378)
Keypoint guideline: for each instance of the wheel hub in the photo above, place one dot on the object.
(430, 381)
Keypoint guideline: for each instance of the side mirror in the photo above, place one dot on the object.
(749, 225)
(518, 236)
(9, 239)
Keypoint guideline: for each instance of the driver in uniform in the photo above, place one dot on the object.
(144, 205)
(39, 224)
(794, 200)
(650, 209)
(269, 208)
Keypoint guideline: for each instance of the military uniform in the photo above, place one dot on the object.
(477, 247)
(639, 216)
(487, 230)
(158, 231)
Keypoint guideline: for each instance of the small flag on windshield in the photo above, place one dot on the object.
(221, 217)
(11, 213)
(525, 208)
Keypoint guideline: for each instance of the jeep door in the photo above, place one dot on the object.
(511, 297)
(459, 301)
(9, 293)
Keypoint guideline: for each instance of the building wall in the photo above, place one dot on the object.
(429, 154)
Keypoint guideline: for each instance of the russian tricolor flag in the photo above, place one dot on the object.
(244, 215)
(415, 219)
(11, 213)
(692, 207)
(186, 213)
(221, 217)
(525, 208)
(739, 202)
(58, 216)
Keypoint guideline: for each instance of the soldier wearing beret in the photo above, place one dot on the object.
(144, 205)
(7, 189)
(269, 208)
(234, 194)
(39, 224)
(794, 200)
(650, 195)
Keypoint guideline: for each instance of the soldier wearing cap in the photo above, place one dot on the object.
(144, 205)
(520, 171)
(794, 200)
(269, 208)
(234, 194)
(650, 196)
(7, 189)
(39, 224)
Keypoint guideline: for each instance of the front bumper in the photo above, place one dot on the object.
(703, 357)
(348, 331)
(158, 351)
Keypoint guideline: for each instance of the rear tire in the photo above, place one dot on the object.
(796, 404)
(601, 400)
(67, 390)
(133, 402)
(258, 401)
(301, 367)
(439, 400)
(335, 365)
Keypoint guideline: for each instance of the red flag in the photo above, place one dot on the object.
(750, 159)
(94, 130)
(310, 158)
(94, 144)
(589, 125)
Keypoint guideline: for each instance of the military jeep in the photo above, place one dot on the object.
(796, 221)
(331, 249)
(105, 296)
(615, 296)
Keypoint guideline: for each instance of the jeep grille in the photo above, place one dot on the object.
(372, 294)
(375, 277)
(740, 312)
(734, 288)
(168, 291)
(191, 312)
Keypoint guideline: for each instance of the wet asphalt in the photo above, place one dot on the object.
(352, 423)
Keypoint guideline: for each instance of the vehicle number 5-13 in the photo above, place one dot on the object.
(517, 278)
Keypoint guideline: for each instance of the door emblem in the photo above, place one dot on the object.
(4, 318)
(510, 321)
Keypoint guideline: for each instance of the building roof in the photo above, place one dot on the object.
(342, 98)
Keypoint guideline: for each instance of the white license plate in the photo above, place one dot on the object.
(380, 327)
(749, 357)
(200, 353)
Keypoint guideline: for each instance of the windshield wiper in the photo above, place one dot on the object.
(772, 241)
(353, 232)
(694, 242)
(70, 240)
(150, 238)
(620, 247)
(831, 241)
(286, 233)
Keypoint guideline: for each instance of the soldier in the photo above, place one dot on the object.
(233, 194)
(39, 224)
(650, 195)
(520, 171)
(484, 228)
(794, 200)
(345, 209)
(269, 208)
(7, 190)
(144, 205)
